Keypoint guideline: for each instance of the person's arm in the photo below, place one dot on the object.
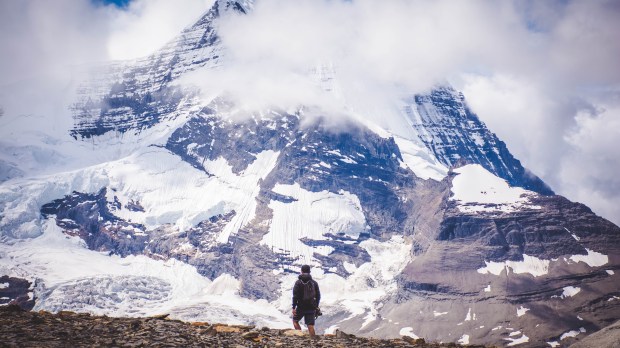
(296, 297)
(318, 294)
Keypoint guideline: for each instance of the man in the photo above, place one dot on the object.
(306, 298)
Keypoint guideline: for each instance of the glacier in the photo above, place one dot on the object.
(151, 196)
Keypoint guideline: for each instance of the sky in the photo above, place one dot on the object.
(543, 75)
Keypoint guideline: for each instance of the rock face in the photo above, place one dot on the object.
(434, 232)
(141, 93)
(64, 329)
(607, 337)
(16, 292)
(454, 134)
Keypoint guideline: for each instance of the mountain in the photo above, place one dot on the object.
(175, 203)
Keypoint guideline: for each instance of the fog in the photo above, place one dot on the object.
(542, 75)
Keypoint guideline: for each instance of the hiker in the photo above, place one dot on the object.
(306, 298)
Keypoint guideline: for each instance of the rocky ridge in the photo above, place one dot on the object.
(19, 328)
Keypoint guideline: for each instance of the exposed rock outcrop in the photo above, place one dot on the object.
(68, 329)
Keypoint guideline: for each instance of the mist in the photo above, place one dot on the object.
(542, 75)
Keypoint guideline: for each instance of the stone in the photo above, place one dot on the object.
(160, 316)
(21, 328)
(291, 332)
(412, 340)
(340, 334)
(199, 323)
(250, 335)
(226, 328)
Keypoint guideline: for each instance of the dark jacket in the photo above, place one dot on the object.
(298, 292)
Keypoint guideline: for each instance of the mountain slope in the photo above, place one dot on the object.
(435, 230)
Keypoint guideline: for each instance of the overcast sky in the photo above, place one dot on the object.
(543, 75)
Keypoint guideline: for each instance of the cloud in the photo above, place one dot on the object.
(543, 75)
(531, 70)
(43, 43)
(48, 47)
(558, 112)
(146, 25)
(286, 52)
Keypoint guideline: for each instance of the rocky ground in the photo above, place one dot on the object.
(19, 328)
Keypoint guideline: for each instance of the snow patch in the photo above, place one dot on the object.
(478, 190)
(437, 314)
(469, 317)
(363, 292)
(592, 259)
(4, 285)
(419, 161)
(349, 267)
(241, 189)
(530, 264)
(408, 331)
(570, 291)
(517, 341)
(463, 340)
(572, 234)
(488, 288)
(170, 190)
(521, 311)
(330, 330)
(130, 286)
(610, 272)
(311, 216)
(572, 333)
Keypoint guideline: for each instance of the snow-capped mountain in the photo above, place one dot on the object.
(183, 203)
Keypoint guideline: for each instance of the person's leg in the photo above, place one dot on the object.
(311, 330)
(297, 315)
(309, 321)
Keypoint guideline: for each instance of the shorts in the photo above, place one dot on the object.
(308, 316)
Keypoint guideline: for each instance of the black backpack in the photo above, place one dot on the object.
(309, 297)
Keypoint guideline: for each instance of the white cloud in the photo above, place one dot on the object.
(588, 173)
(529, 69)
(407, 43)
(569, 140)
(543, 75)
(47, 47)
(146, 25)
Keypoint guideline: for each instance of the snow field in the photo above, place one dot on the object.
(592, 259)
(517, 341)
(539, 267)
(530, 264)
(521, 311)
(570, 291)
(463, 340)
(572, 333)
(421, 163)
(354, 294)
(59, 165)
(184, 196)
(130, 286)
(476, 189)
(408, 331)
(169, 189)
(311, 216)
(21, 199)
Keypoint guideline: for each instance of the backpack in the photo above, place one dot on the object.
(309, 297)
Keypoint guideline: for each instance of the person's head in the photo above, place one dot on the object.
(305, 269)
